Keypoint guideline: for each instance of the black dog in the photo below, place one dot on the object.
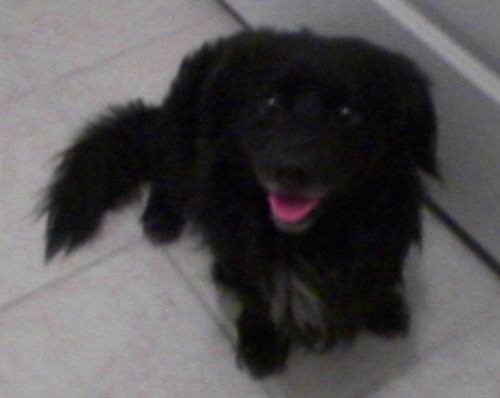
(298, 159)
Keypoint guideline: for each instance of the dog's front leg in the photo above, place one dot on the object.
(380, 291)
(388, 315)
(262, 349)
(263, 345)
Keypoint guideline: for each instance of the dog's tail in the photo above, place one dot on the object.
(104, 167)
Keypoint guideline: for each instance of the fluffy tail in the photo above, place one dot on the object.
(103, 168)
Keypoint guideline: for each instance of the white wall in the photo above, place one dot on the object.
(460, 62)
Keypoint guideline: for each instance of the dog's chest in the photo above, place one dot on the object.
(303, 304)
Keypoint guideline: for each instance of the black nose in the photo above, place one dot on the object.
(291, 176)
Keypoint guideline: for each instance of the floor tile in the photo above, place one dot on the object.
(450, 289)
(128, 327)
(145, 72)
(14, 78)
(55, 37)
(467, 367)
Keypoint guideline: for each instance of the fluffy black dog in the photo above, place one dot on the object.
(298, 159)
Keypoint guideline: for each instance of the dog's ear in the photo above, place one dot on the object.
(203, 87)
(416, 116)
(183, 99)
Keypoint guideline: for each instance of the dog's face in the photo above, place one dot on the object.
(311, 121)
(305, 143)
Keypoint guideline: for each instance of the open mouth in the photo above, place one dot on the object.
(292, 212)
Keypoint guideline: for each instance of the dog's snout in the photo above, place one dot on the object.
(290, 175)
(291, 168)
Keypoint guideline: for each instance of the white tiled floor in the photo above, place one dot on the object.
(121, 318)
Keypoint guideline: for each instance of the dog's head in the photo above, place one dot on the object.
(312, 116)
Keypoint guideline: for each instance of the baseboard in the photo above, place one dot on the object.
(448, 49)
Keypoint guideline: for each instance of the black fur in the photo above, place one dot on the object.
(297, 157)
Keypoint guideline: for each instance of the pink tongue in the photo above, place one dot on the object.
(291, 209)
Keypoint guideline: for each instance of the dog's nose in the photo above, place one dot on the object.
(291, 176)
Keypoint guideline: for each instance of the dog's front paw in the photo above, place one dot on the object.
(262, 355)
(161, 224)
(162, 229)
(389, 315)
(261, 350)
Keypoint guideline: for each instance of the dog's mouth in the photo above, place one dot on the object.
(293, 212)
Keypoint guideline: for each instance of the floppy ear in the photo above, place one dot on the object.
(417, 117)
(183, 99)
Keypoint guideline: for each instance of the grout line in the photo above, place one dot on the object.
(465, 238)
(66, 277)
(220, 320)
(79, 70)
(235, 14)
(112, 57)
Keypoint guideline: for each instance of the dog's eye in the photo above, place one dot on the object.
(346, 116)
(270, 105)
